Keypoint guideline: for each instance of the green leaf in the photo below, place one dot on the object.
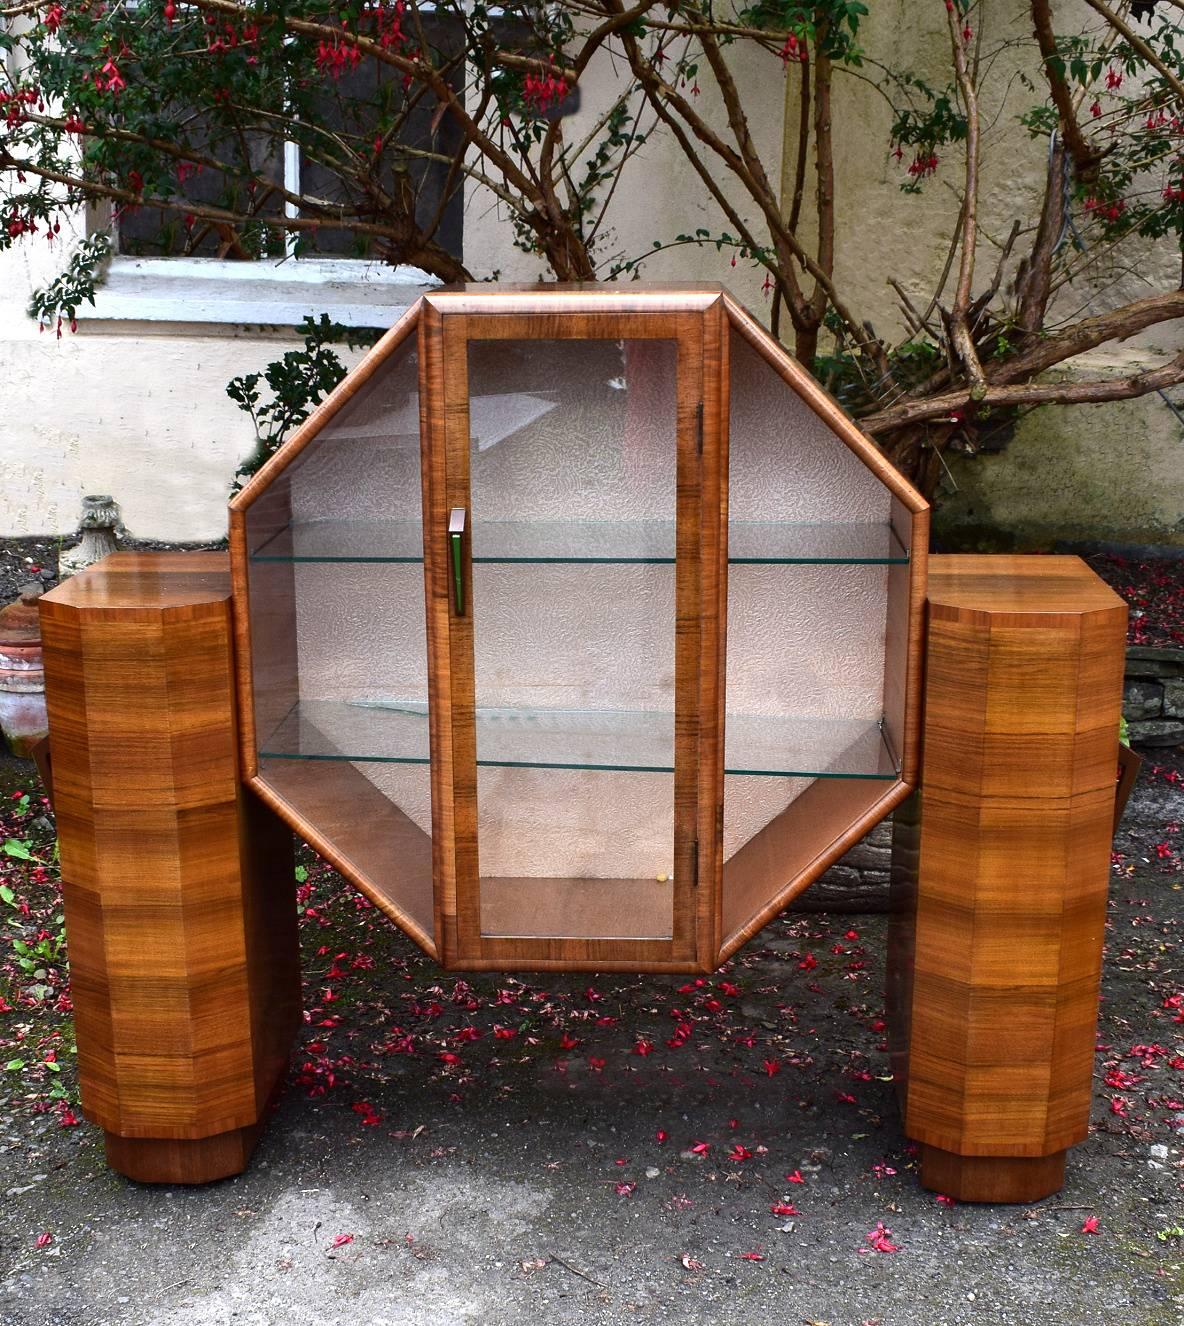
(14, 1065)
(7, 895)
(301, 874)
(14, 847)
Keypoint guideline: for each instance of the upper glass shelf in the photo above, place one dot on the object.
(573, 541)
(396, 731)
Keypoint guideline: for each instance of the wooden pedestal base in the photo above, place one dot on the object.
(999, 891)
(178, 885)
(169, 1160)
(992, 1178)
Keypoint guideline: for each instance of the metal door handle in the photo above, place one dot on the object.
(456, 530)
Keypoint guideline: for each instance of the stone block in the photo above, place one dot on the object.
(1142, 698)
(1173, 698)
(1154, 661)
(1157, 732)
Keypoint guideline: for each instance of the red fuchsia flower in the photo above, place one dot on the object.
(44, 1240)
(660, 1136)
(568, 1042)
(794, 51)
(739, 1152)
(784, 1209)
(643, 1047)
(115, 81)
(752, 1256)
(1113, 79)
(625, 1189)
(596, 1065)
(332, 58)
(808, 963)
(921, 165)
(389, 22)
(943, 1200)
(880, 1239)
(1105, 210)
(795, 1177)
(54, 16)
(540, 93)
(1091, 1225)
(341, 1240)
(967, 33)
(170, 12)
(1096, 109)
(504, 1033)
(700, 1148)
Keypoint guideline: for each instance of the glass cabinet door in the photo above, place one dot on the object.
(572, 480)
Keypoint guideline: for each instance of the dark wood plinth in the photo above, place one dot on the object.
(172, 1160)
(999, 894)
(178, 884)
(992, 1178)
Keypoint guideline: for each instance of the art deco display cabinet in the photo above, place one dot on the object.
(579, 629)
(547, 647)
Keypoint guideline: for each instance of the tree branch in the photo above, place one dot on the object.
(1094, 392)
(960, 335)
(1085, 158)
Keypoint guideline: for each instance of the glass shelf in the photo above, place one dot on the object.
(572, 541)
(395, 731)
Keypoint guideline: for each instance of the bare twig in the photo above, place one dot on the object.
(960, 335)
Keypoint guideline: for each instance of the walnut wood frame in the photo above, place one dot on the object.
(785, 857)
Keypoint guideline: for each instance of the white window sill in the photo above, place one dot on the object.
(277, 294)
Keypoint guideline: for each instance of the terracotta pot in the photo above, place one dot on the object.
(22, 678)
(1129, 764)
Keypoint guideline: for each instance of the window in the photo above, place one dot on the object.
(348, 117)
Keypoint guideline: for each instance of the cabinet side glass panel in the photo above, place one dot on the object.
(805, 643)
(574, 662)
(339, 657)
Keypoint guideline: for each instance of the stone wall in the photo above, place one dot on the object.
(1153, 706)
(1153, 698)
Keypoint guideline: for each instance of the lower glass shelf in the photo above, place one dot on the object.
(396, 731)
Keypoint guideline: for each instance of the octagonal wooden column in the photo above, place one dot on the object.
(178, 884)
(1000, 900)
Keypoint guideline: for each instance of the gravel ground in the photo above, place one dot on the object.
(423, 1168)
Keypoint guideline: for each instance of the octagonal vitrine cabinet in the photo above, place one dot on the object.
(579, 628)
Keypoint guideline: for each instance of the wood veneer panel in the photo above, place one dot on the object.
(793, 849)
(178, 894)
(904, 645)
(337, 809)
(1005, 915)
